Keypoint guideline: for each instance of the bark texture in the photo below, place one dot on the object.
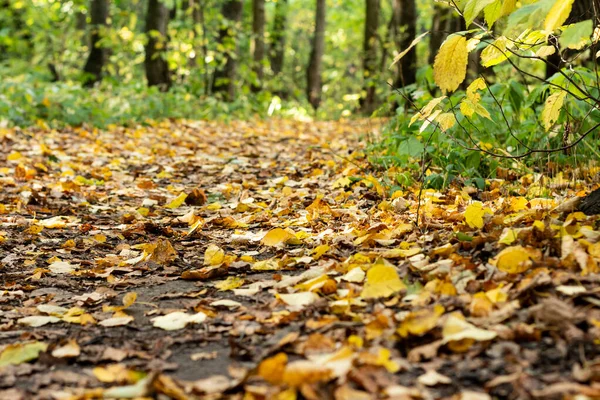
(224, 79)
(278, 36)
(97, 57)
(406, 33)
(258, 40)
(315, 66)
(157, 70)
(368, 101)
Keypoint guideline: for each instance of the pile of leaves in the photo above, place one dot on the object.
(262, 260)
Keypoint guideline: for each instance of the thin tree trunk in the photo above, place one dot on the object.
(197, 7)
(315, 66)
(224, 79)
(407, 31)
(258, 41)
(97, 57)
(368, 102)
(157, 69)
(278, 34)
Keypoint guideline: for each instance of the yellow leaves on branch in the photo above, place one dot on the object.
(450, 66)
(552, 107)
(558, 14)
(496, 52)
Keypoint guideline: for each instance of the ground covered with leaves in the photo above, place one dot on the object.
(265, 260)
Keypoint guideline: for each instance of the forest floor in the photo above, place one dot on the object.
(262, 260)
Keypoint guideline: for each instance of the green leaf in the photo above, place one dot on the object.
(463, 237)
(530, 16)
(411, 147)
(576, 36)
(472, 9)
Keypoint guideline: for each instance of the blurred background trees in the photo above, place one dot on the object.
(331, 55)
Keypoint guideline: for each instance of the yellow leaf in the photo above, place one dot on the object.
(468, 108)
(545, 51)
(273, 368)
(18, 353)
(405, 51)
(508, 236)
(496, 295)
(214, 255)
(551, 111)
(477, 84)
(14, 156)
(427, 110)
(382, 281)
(277, 237)
(178, 201)
(419, 322)
(446, 121)
(383, 359)
(558, 14)
(232, 282)
(450, 66)
(474, 214)
(496, 52)
(515, 259)
(129, 299)
(518, 203)
(319, 251)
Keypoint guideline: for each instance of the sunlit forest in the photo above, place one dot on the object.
(213, 57)
(299, 200)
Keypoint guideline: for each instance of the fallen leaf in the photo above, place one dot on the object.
(213, 255)
(277, 237)
(69, 350)
(38, 320)
(177, 320)
(382, 281)
(18, 353)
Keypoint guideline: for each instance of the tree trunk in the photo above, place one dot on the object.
(590, 204)
(582, 10)
(224, 79)
(315, 66)
(368, 102)
(157, 69)
(407, 32)
(258, 41)
(97, 57)
(197, 12)
(277, 50)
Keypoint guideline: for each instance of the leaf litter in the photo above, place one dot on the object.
(266, 260)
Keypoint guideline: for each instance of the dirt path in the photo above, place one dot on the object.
(208, 260)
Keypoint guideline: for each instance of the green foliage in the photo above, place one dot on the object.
(508, 115)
